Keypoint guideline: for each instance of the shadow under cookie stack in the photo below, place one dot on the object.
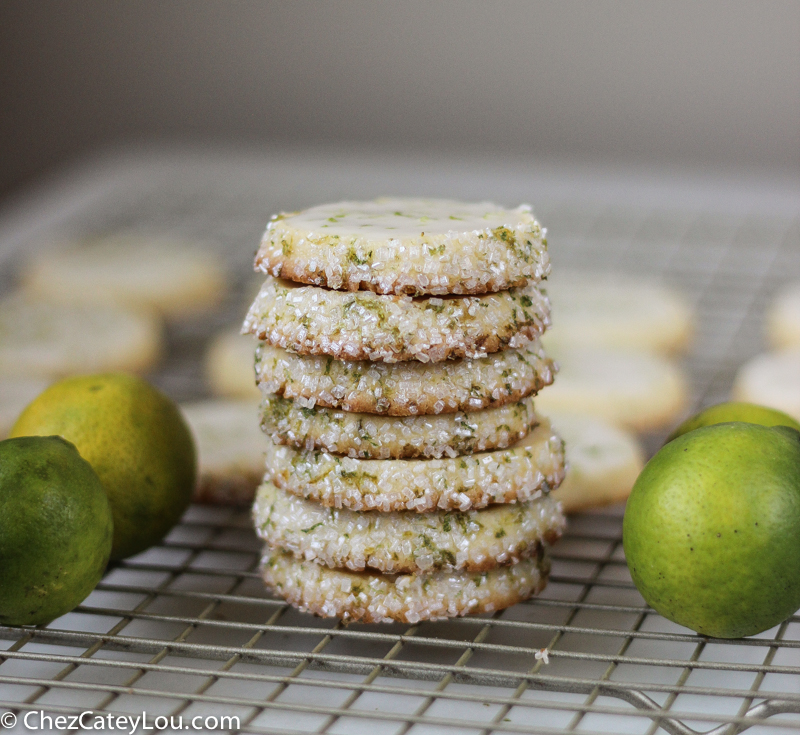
(409, 476)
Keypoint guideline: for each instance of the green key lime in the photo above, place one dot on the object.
(137, 442)
(55, 529)
(711, 529)
(751, 413)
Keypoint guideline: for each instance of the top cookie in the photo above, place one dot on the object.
(410, 246)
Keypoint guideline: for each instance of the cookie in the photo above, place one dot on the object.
(370, 436)
(407, 598)
(363, 325)
(230, 450)
(603, 462)
(405, 542)
(404, 388)
(228, 365)
(172, 276)
(520, 473)
(41, 340)
(771, 379)
(411, 246)
(616, 312)
(783, 319)
(15, 395)
(636, 390)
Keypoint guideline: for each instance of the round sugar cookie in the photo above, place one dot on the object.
(783, 319)
(230, 450)
(404, 388)
(603, 462)
(228, 365)
(363, 325)
(406, 598)
(15, 395)
(405, 542)
(173, 276)
(636, 390)
(412, 246)
(771, 379)
(371, 436)
(42, 340)
(522, 472)
(616, 312)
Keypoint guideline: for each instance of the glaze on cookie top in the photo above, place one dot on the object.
(411, 246)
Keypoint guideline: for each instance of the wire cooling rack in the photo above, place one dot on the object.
(187, 630)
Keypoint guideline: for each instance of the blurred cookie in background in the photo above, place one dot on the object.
(175, 277)
(230, 450)
(771, 379)
(783, 319)
(15, 395)
(603, 461)
(635, 390)
(228, 367)
(616, 311)
(43, 340)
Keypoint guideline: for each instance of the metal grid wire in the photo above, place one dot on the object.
(187, 628)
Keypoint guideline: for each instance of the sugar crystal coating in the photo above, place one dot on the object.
(363, 325)
(413, 246)
(521, 472)
(371, 436)
(453, 529)
(404, 388)
(403, 541)
(407, 598)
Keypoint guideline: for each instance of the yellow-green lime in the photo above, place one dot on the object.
(751, 413)
(711, 529)
(55, 529)
(137, 442)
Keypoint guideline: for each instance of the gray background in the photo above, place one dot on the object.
(711, 84)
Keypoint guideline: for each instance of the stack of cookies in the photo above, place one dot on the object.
(409, 475)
